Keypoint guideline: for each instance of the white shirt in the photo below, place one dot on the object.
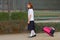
(31, 12)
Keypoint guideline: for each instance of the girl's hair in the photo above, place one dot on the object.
(31, 6)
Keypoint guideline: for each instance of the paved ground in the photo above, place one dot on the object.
(22, 36)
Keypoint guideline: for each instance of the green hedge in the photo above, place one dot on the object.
(19, 16)
(4, 16)
(14, 23)
(14, 16)
(18, 22)
(39, 26)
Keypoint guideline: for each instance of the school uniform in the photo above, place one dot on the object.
(31, 25)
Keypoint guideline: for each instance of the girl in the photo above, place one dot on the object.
(31, 26)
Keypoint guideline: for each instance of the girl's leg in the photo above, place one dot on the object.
(32, 33)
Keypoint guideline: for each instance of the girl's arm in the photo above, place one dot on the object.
(29, 18)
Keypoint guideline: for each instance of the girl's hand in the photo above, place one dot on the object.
(28, 22)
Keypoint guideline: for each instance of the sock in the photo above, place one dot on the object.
(32, 33)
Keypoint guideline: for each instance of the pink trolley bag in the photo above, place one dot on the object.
(49, 30)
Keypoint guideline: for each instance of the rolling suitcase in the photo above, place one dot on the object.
(49, 30)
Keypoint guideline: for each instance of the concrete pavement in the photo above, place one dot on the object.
(24, 36)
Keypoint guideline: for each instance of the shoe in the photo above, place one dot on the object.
(32, 36)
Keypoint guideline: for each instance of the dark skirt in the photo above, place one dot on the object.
(31, 26)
